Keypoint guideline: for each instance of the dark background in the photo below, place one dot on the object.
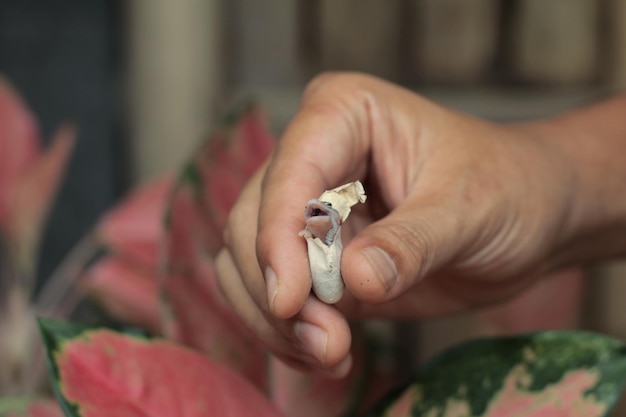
(62, 56)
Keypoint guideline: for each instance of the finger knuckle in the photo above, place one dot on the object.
(412, 242)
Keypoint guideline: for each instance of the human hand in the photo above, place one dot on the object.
(460, 212)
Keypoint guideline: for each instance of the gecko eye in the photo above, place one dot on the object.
(327, 204)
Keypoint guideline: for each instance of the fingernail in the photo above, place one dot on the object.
(383, 265)
(272, 286)
(314, 340)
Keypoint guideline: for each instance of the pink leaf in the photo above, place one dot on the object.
(19, 144)
(108, 374)
(126, 281)
(32, 196)
(197, 213)
(190, 232)
(127, 291)
(252, 142)
(228, 159)
(210, 185)
(205, 321)
(134, 227)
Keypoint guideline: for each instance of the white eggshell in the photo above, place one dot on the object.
(325, 260)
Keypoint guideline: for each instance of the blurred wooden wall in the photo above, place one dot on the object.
(498, 59)
(186, 59)
(448, 42)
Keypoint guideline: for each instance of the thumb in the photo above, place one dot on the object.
(388, 257)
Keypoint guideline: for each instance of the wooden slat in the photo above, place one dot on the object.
(174, 67)
(607, 307)
(309, 42)
(617, 32)
(262, 43)
(360, 35)
(454, 40)
(555, 41)
(606, 310)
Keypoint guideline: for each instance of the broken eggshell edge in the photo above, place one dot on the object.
(325, 259)
(344, 197)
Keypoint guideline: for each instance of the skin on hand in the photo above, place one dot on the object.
(460, 213)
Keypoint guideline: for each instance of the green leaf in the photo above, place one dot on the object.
(577, 373)
(55, 333)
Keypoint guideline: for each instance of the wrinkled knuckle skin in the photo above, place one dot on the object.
(412, 245)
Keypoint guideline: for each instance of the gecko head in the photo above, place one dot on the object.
(322, 221)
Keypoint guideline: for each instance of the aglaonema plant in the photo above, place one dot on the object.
(30, 177)
(158, 274)
(98, 372)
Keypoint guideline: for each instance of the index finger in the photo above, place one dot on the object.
(325, 145)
